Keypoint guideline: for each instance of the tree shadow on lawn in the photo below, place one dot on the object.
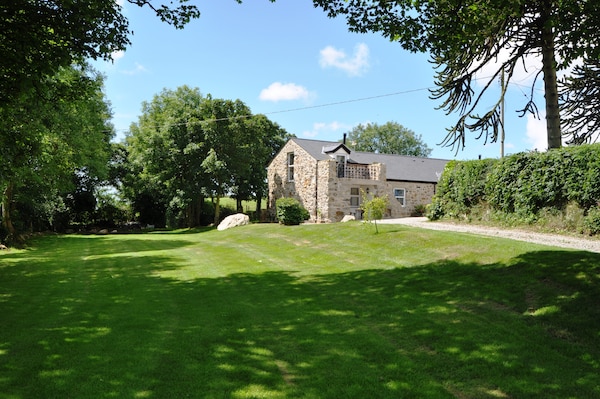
(524, 330)
(73, 248)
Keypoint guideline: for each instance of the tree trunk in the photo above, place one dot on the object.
(217, 210)
(195, 212)
(7, 197)
(189, 215)
(550, 81)
(238, 203)
(258, 205)
(199, 206)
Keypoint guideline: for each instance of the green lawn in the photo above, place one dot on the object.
(312, 311)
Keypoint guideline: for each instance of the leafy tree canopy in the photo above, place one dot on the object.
(37, 37)
(373, 208)
(389, 138)
(464, 36)
(48, 135)
(196, 146)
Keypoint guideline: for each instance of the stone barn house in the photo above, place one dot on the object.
(328, 178)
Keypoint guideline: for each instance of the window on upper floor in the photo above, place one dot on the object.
(290, 166)
(341, 165)
(400, 195)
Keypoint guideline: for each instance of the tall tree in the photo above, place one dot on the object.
(45, 141)
(389, 138)
(197, 146)
(39, 41)
(581, 102)
(227, 140)
(464, 36)
(265, 138)
(38, 37)
(167, 147)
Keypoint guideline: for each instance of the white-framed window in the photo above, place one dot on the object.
(400, 195)
(354, 197)
(290, 166)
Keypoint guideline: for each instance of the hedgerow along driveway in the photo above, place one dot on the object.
(314, 311)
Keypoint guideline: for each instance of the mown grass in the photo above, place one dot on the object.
(312, 311)
(247, 206)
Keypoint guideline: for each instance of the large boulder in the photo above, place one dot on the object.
(348, 218)
(239, 219)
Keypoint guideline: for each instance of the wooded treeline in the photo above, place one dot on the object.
(62, 172)
(186, 148)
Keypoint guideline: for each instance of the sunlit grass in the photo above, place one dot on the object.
(311, 311)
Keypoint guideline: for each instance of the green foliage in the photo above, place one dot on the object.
(196, 146)
(580, 103)
(390, 138)
(591, 221)
(111, 211)
(420, 210)
(290, 211)
(374, 208)
(38, 37)
(464, 37)
(435, 210)
(523, 188)
(49, 137)
(461, 186)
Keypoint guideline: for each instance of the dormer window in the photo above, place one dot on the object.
(341, 165)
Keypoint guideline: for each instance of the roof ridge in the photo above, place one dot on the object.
(368, 152)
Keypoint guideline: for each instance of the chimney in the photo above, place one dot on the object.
(344, 139)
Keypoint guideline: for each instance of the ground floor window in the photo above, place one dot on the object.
(400, 195)
(354, 197)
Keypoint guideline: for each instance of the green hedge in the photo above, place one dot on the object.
(290, 212)
(520, 185)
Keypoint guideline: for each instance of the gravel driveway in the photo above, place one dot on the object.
(582, 243)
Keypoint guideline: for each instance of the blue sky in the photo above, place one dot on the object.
(303, 70)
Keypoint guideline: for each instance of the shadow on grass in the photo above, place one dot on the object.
(112, 327)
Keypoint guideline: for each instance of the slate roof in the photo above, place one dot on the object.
(399, 167)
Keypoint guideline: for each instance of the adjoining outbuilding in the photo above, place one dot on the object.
(328, 179)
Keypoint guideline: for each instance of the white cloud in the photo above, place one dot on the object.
(117, 55)
(537, 134)
(357, 65)
(139, 68)
(278, 91)
(537, 137)
(523, 74)
(525, 70)
(320, 128)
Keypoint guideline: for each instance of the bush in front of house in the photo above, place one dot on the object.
(290, 211)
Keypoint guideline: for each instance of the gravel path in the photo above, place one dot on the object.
(586, 244)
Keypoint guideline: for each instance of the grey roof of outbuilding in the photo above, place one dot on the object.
(399, 167)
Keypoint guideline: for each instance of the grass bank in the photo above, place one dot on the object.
(312, 311)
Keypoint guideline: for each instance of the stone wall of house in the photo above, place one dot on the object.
(305, 178)
(327, 197)
(340, 189)
(325, 170)
(415, 194)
